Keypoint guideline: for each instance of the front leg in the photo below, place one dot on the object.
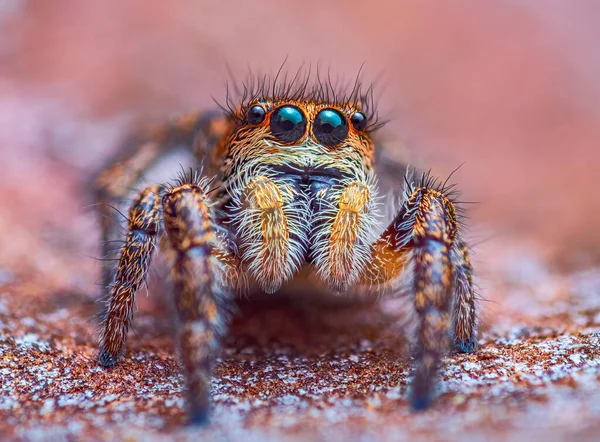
(201, 288)
(134, 261)
(424, 237)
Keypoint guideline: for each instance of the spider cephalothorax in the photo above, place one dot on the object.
(286, 165)
(293, 185)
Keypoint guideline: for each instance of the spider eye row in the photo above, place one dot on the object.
(288, 123)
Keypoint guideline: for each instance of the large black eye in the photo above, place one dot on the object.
(331, 127)
(288, 124)
(256, 114)
(359, 121)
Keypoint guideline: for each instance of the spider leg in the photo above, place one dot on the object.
(464, 313)
(200, 289)
(423, 238)
(136, 254)
(115, 183)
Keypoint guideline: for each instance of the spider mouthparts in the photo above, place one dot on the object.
(308, 172)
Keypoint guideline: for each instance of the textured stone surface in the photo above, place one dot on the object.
(305, 367)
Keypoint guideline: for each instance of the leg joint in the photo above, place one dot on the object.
(145, 212)
(187, 219)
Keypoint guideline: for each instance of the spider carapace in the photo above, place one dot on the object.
(288, 180)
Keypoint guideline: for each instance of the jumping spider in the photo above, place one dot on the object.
(294, 185)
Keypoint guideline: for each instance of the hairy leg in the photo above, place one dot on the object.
(432, 237)
(114, 184)
(200, 290)
(136, 253)
(464, 314)
(424, 237)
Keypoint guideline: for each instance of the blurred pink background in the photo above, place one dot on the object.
(511, 88)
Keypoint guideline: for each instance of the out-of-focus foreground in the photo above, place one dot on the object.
(510, 88)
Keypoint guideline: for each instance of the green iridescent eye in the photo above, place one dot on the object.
(288, 124)
(331, 127)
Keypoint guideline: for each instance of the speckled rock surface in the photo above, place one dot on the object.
(305, 368)
(520, 107)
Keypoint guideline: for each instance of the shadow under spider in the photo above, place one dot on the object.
(306, 322)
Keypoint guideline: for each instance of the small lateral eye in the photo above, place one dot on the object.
(288, 124)
(359, 121)
(330, 127)
(256, 114)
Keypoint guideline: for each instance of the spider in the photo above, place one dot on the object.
(293, 184)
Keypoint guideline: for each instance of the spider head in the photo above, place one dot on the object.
(302, 134)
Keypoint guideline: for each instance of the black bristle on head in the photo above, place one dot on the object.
(303, 85)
